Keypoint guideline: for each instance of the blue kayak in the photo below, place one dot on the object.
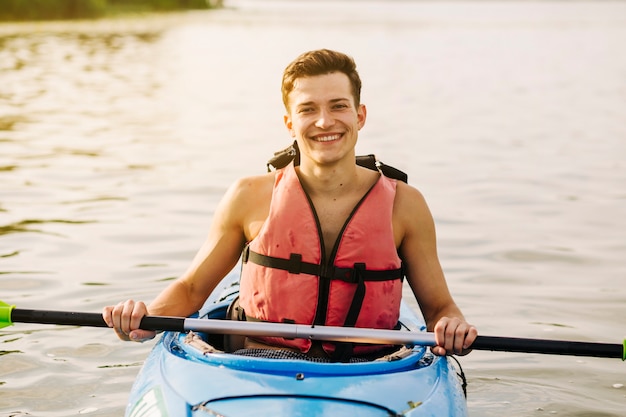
(184, 376)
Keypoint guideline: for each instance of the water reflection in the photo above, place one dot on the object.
(48, 73)
(24, 226)
(9, 122)
(8, 352)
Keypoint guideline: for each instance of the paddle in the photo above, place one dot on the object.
(9, 314)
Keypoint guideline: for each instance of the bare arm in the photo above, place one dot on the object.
(414, 224)
(233, 224)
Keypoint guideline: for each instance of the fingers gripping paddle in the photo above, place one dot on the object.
(9, 315)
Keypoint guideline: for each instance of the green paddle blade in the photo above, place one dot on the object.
(5, 314)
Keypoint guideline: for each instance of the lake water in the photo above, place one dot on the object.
(118, 138)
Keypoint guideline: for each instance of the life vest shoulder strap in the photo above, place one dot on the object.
(283, 157)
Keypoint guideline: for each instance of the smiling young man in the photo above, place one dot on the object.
(324, 240)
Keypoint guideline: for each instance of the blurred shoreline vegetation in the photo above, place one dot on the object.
(37, 10)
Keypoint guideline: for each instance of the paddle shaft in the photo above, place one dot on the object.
(328, 333)
(550, 347)
(72, 318)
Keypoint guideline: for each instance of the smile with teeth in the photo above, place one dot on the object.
(327, 138)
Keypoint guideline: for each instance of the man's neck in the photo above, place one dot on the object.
(328, 179)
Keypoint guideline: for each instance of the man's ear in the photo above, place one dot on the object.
(289, 125)
(361, 115)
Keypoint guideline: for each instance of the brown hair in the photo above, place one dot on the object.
(320, 62)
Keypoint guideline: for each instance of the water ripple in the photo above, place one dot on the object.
(24, 226)
(538, 256)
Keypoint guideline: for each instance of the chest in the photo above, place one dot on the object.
(333, 214)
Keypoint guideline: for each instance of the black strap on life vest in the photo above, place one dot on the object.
(344, 350)
(295, 265)
(283, 157)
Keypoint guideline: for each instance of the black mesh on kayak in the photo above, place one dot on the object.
(288, 354)
(390, 355)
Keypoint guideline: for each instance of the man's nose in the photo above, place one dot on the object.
(325, 119)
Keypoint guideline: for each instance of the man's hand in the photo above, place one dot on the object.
(453, 336)
(125, 319)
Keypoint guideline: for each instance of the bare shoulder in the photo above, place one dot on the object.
(409, 200)
(247, 202)
(253, 187)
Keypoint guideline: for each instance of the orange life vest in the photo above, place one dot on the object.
(285, 277)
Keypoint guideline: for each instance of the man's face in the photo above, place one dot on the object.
(323, 118)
